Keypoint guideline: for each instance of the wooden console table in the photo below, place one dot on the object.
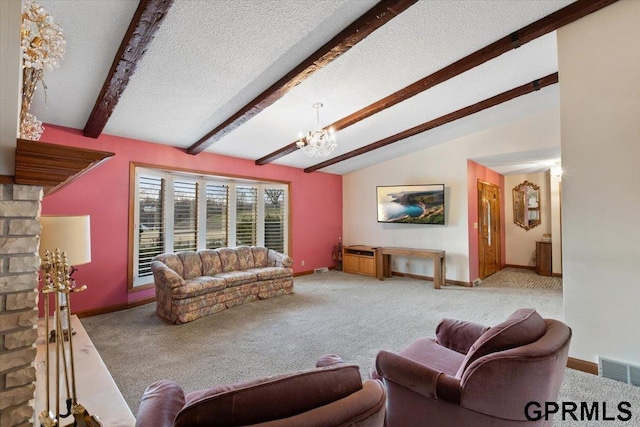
(383, 268)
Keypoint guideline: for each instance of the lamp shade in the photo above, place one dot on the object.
(70, 234)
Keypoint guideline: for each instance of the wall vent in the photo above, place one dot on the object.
(619, 371)
(321, 270)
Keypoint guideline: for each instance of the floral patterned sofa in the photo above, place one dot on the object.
(191, 284)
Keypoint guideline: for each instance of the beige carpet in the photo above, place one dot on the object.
(521, 278)
(353, 316)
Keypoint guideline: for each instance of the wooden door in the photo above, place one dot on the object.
(488, 228)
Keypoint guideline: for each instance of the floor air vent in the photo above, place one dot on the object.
(321, 270)
(619, 371)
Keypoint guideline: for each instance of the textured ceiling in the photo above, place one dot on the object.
(523, 162)
(209, 58)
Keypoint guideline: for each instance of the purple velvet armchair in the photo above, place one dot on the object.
(332, 394)
(473, 375)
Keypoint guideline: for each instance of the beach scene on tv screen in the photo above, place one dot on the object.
(412, 204)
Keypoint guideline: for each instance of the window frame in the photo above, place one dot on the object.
(137, 283)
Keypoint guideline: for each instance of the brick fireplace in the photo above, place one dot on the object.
(19, 264)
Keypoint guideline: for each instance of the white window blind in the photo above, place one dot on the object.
(151, 221)
(246, 215)
(185, 216)
(274, 218)
(217, 216)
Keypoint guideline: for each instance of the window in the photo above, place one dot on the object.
(274, 218)
(217, 217)
(151, 224)
(246, 215)
(176, 211)
(185, 216)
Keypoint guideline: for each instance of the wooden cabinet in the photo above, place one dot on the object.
(360, 260)
(543, 258)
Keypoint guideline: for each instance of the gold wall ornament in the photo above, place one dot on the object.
(526, 205)
(42, 46)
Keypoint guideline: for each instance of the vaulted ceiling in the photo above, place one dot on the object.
(211, 60)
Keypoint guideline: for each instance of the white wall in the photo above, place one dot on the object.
(555, 193)
(445, 163)
(521, 243)
(10, 74)
(599, 65)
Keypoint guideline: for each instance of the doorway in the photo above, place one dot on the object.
(488, 228)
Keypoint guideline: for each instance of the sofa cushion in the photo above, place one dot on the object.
(228, 259)
(426, 351)
(198, 286)
(172, 261)
(245, 257)
(192, 264)
(459, 335)
(235, 278)
(210, 262)
(277, 397)
(268, 273)
(260, 256)
(327, 360)
(523, 327)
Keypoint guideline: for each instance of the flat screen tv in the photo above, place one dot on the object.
(411, 204)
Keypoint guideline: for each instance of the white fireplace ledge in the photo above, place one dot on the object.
(96, 390)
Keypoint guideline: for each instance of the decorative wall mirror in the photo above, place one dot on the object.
(526, 205)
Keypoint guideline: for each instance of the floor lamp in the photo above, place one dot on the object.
(65, 241)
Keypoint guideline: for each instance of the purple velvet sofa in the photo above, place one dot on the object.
(191, 284)
(473, 375)
(332, 394)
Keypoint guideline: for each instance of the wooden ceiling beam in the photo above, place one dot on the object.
(143, 26)
(373, 19)
(447, 118)
(543, 26)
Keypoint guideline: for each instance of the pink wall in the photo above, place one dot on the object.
(103, 193)
(475, 172)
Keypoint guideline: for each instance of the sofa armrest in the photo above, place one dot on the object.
(418, 378)
(165, 276)
(459, 335)
(160, 404)
(278, 259)
(364, 408)
(266, 399)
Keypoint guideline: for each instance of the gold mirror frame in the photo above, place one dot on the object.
(526, 205)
